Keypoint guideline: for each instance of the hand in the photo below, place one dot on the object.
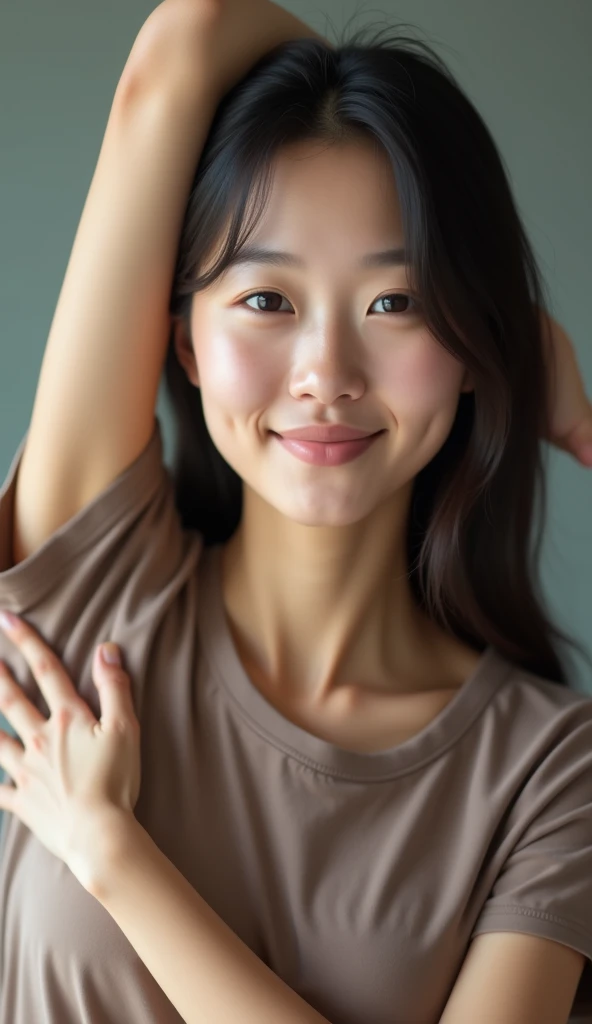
(77, 779)
(571, 411)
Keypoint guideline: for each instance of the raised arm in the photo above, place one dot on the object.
(94, 407)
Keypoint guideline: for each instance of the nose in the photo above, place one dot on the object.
(328, 363)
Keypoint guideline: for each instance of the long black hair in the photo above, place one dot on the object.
(478, 508)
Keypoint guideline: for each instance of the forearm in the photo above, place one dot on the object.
(207, 972)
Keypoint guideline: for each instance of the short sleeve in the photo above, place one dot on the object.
(106, 574)
(545, 884)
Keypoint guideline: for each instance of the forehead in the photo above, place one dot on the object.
(335, 203)
(313, 179)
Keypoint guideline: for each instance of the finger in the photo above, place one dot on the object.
(23, 716)
(581, 438)
(11, 754)
(578, 442)
(8, 798)
(47, 669)
(570, 419)
(114, 684)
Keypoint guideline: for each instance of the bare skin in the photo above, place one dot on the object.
(314, 578)
(360, 719)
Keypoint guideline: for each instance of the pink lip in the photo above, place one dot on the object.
(318, 453)
(326, 433)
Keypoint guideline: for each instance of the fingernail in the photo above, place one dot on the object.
(110, 654)
(8, 620)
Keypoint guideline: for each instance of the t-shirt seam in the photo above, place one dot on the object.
(264, 734)
(543, 915)
(286, 748)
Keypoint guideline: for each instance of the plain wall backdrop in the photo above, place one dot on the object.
(526, 66)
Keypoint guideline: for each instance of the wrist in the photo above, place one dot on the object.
(99, 846)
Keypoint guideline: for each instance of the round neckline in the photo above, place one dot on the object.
(265, 719)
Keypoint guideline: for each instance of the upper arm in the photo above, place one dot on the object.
(97, 391)
(512, 978)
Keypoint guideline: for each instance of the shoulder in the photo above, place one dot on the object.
(529, 734)
(540, 707)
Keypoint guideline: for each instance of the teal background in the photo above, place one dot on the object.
(527, 67)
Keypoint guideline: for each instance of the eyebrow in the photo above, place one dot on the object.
(279, 258)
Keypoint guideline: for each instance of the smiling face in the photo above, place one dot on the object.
(330, 340)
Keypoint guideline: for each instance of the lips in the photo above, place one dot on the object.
(325, 434)
(318, 453)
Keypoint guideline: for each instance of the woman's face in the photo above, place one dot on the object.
(335, 342)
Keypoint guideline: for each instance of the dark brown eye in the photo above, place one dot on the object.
(270, 306)
(399, 302)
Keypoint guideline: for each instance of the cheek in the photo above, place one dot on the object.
(237, 377)
(421, 378)
(421, 386)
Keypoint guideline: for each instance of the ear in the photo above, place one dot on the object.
(184, 351)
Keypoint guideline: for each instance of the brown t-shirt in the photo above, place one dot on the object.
(360, 879)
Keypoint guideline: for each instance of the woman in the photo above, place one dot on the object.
(360, 760)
